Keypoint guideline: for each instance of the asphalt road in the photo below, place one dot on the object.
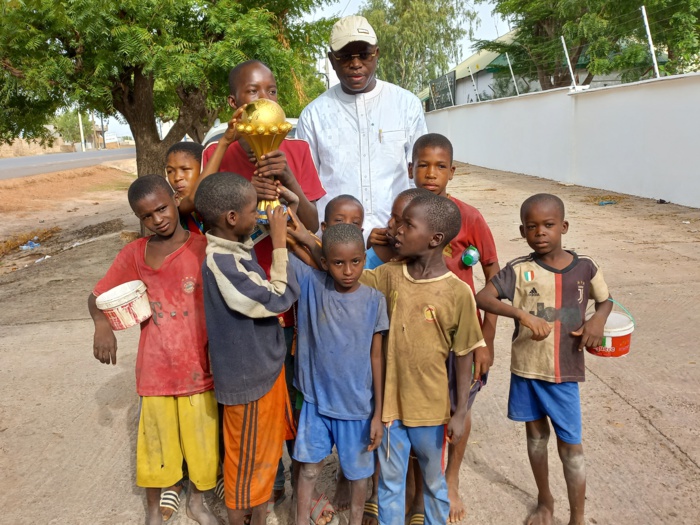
(24, 166)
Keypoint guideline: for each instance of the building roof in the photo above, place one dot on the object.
(479, 61)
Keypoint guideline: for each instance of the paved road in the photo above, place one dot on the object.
(24, 166)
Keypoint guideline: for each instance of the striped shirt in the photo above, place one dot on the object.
(246, 342)
(561, 298)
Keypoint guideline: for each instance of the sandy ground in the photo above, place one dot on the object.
(68, 423)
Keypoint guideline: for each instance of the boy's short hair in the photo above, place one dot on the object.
(336, 200)
(219, 193)
(192, 149)
(411, 193)
(146, 185)
(235, 74)
(341, 233)
(541, 198)
(432, 140)
(441, 214)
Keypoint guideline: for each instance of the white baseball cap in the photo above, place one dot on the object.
(352, 29)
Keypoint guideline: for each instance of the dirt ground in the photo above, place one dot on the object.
(68, 423)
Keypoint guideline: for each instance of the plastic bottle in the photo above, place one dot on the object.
(470, 256)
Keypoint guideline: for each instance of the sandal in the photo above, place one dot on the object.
(321, 505)
(170, 500)
(219, 489)
(417, 519)
(371, 511)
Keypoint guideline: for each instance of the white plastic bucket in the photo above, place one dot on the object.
(617, 336)
(125, 305)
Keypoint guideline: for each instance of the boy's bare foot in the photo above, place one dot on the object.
(154, 517)
(542, 515)
(458, 511)
(197, 511)
(341, 500)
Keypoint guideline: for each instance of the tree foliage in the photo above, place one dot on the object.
(68, 126)
(148, 59)
(608, 36)
(418, 39)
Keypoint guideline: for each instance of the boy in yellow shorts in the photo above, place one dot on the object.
(179, 416)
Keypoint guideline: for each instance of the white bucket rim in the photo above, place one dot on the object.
(621, 325)
(121, 295)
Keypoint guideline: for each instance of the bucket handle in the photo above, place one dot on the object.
(634, 323)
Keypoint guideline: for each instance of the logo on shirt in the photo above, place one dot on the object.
(188, 285)
(429, 313)
(581, 286)
(529, 276)
(447, 251)
(533, 293)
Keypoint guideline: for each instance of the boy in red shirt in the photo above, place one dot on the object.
(179, 417)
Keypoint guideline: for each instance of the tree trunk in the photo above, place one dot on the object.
(133, 98)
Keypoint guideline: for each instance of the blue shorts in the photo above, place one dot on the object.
(316, 435)
(532, 399)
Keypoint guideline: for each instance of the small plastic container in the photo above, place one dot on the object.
(617, 336)
(125, 305)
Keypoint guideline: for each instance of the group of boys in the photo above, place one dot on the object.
(390, 350)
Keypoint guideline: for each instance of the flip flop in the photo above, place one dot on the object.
(219, 489)
(170, 499)
(321, 505)
(371, 511)
(417, 519)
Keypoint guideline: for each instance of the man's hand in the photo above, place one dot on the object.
(274, 164)
(456, 427)
(591, 333)
(539, 327)
(104, 345)
(376, 432)
(378, 237)
(278, 226)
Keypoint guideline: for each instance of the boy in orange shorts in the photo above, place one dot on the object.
(246, 341)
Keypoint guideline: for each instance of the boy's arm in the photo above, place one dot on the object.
(484, 356)
(456, 426)
(591, 332)
(377, 358)
(104, 346)
(488, 301)
(305, 243)
(214, 163)
(274, 164)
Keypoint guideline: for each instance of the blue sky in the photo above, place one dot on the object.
(489, 29)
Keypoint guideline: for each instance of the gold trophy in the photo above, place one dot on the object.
(264, 127)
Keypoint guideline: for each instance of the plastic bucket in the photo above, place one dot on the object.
(616, 336)
(125, 305)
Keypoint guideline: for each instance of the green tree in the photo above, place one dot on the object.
(68, 127)
(418, 39)
(607, 36)
(148, 59)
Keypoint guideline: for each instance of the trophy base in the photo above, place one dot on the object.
(262, 211)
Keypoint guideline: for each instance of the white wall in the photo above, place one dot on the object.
(641, 139)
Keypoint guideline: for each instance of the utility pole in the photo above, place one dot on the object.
(82, 135)
(102, 125)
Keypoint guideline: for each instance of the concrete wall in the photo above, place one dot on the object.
(641, 139)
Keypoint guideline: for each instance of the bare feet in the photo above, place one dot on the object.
(154, 516)
(458, 511)
(542, 515)
(197, 510)
(341, 500)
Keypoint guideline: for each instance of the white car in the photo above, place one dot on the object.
(216, 132)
